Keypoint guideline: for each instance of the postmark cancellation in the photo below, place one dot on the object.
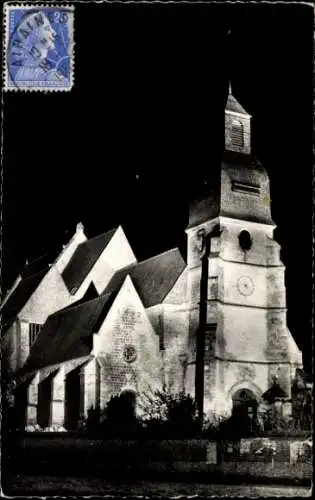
(39, 47)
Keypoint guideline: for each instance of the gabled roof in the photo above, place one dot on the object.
(90, 294)
(19, 297)
(84, 259)
(153, 278)
(233, 105)
(67, 334)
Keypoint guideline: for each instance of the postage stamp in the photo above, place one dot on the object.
(39, 47)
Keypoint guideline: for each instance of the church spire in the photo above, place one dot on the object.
(237, 120)
(229, 58)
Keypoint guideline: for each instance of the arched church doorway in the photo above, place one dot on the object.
(72, 399)
(244, 410)
(44, 401)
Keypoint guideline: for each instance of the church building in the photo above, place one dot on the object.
(95, 322)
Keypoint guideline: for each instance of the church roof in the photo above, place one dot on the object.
(67, 334)
(153, 278)
(40, 263)
(90, 294)
(233, 105)
(19, 297)
(84, 259)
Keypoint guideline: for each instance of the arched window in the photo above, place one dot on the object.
(237, 134)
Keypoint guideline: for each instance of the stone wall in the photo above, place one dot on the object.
(244, 333)
(23, 342)
(172, 455)
(243, 205)
(261, 236)
(50, 296)
(10, 349)
(178, 294)
(127, 331)
(175, 322)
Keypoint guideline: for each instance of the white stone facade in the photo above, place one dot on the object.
(137, 346)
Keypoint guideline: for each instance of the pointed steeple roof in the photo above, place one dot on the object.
(233, 105)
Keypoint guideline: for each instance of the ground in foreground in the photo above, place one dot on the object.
(48, 485)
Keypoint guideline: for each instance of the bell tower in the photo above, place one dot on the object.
(245, 341)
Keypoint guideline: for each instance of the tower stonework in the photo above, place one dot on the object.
(247, 341)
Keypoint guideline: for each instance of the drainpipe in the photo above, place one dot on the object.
(200, 340)
(203, 309)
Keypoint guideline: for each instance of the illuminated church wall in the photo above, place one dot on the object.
(127, 346)
(140, 349)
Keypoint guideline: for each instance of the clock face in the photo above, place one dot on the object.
(245, 285)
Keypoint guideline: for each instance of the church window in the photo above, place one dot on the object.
(237, 134)
(245, 240)
(129, 353)
(34, 329)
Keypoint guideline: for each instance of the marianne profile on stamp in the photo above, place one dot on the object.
(39, 48)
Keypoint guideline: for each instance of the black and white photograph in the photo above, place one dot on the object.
(157, 249)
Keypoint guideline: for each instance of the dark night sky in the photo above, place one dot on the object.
(148, 100)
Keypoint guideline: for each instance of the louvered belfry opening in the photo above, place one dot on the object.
(237, 134)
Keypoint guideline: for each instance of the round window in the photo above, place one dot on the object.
(129, 353)
(245, 240)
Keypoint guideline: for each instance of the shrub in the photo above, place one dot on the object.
(33, 428)
(170, 415)
(162, 415)
(234, 428)
(211, 428)
(118, 419)
(53, 428)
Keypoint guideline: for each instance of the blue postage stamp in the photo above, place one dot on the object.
(39, 47)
